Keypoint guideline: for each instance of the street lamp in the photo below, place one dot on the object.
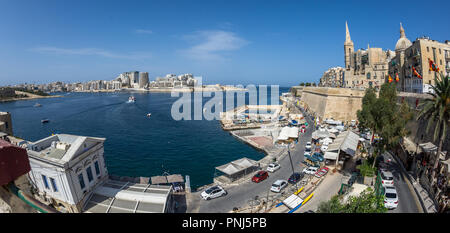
(292, 165)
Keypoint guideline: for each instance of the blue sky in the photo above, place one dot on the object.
(229, 42)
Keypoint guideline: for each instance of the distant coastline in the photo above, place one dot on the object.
(29, 96)
(207, 88)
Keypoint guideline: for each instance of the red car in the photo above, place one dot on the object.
(321, 172)
(260, 176)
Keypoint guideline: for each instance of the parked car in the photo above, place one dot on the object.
(324, 148)
(310, 170)
(318, 156)
(307, 153)
(308, 145)
(295, 177)
(213, 192)
(278, 185)
(310, 164)
(390, 198)
(387, 179)
(273, 167)
(321, 172)
(260, 176)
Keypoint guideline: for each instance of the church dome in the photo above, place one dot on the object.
(402, 43)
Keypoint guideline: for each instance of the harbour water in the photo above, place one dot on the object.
(136, 145)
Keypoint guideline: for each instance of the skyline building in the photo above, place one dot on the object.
(411, 62)
(143, 79)
(364, 68)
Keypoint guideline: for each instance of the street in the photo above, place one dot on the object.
(239, 196)
(406, 196)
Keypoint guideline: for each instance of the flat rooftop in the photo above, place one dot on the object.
(126, 197)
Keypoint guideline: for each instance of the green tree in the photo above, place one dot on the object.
(437, 111)
(302, 84)
(384, 117)
(366, 202)
(308, 84)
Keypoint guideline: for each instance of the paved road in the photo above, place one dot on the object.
(239, 196)
(406, 196)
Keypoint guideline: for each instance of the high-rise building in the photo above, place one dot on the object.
(134, 77)
(143, 79)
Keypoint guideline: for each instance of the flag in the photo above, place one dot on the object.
(416, 73)
(396, 78)
(433, 67)
(390, 79)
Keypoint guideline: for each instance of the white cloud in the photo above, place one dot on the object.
(143, 31)
(89, 52)
(213, 45)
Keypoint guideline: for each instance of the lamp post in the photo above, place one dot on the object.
(292, 165)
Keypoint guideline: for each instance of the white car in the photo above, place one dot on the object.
(308, 145)
(273, 167)
(213, 192)
(390, 198)
(310, 170)
(324, 148)
(278, 185)
(387, 179)
(307, 153)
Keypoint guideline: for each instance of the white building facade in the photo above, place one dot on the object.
(65, 169)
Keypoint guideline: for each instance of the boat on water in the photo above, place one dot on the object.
(131, 99)
(43, 121)
(38, 105)
(149, 115)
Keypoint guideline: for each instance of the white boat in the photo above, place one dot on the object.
(131, 99)
(37, 105)
(149, 115)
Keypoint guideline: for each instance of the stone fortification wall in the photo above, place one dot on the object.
(337, 103)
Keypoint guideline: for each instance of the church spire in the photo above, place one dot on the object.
(402, 31)
(347, 34)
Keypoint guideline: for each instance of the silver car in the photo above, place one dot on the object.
(387, 179)
(278, 185)
(273, 167)
(390, 197)
(213, 192)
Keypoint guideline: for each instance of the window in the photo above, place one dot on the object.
(81, 179)
(89, 174)
(428, 49)
(97, 168)
(52, 181)
(44, 178)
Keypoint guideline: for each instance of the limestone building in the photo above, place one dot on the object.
(333, 77)
(365, 67)
(143, 79)
(416, 55)
(6, 123)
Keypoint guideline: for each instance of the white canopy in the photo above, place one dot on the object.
(236, 166)
(330, 155)
(288, 132)
(293, 132)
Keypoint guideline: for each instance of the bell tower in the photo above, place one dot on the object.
(348, 48)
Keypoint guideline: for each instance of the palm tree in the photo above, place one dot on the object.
(437, 111)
